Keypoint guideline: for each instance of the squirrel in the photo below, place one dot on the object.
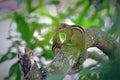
(79, 39)
(85, 38)
(75, 36)
(74, 44)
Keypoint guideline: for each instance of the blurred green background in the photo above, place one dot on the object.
(36, 21)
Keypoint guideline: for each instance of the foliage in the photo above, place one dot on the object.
(108, 71)
(36, 25)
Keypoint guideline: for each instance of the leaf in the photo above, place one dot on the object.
(28, 5)
(115, 27)
(89, 24)
(107, 71)
(41, 3)
(14, 72)
(83, 14)
(95, 14)
(78, 3)
(22, 27)
(55, 2)
(47, 54)
(7, 56)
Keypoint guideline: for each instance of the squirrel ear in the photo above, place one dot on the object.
(76, 26)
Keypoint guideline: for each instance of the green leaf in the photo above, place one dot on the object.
(116, 25)
(78, 3)
(89, 24)
(14, 72)
(55, 2)
(106, 3)
(83, 14)
(41, 3)
(48, 54)
(22, 27)
(28, 5)
(94, 16)
(107, 71)
(7, 56)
